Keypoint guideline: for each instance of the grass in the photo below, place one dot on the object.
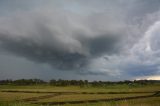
(153, 101)
(85, 97)
(80, 94)
(16, 104)
(109, 88)
(5, 96)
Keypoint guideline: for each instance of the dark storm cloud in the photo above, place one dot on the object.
(42, 53)
(141, 70)
(102, 45)
(55, 55)
(95, 36)
(143, 7)
(88, 72)
(65, 40)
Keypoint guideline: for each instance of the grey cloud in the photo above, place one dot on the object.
(144, 7)
(95, 73)
(67, 40)
(56, 55)
(42, 53)
(141, 69)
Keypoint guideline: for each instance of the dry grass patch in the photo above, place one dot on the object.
(85, 97)
(8, 96)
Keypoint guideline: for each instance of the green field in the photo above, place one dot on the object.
(111, 95)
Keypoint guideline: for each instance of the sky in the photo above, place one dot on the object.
(80, 39)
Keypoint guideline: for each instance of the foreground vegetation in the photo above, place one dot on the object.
(127, 93)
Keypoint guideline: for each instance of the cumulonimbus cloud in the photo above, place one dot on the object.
(69, 40)
(63, 46)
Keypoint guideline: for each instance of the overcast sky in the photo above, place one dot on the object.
(80, 39)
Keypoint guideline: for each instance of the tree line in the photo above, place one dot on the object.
(61, 82)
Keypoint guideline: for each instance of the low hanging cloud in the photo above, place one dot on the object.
(58, 42)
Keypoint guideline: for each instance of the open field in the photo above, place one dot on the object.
(111, 95)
